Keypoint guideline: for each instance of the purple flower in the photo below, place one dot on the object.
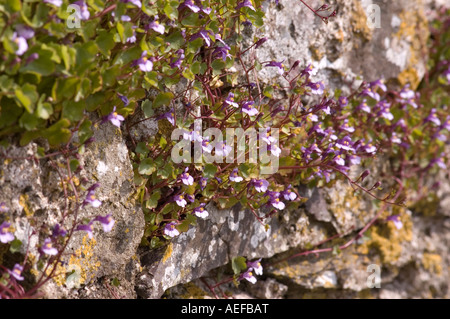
(5, 233)
(170, 116)
(385, 110)
(446, 74)
(200, 211)
(260, 42)
(439, 162)
(433, 118)
(22, 45)
(260, 185)
(3, 207)
(16, 272)
(57, 3)
(170, 229)
(179, 199)
(203, 182)
(446, 124)
(247, 107)
(114, 118)
(370, 93)
(396, 220)
(269, 139)
(346, 127)
(186, 178)
(204, 35)
(89, 228)
(106, 221)
(256, 266)
(155, 26)
(378, 84)
(288, 194)
(190, 4)
(345, 144)
(369, 148)
(275, 201)
(234, 177)
(316, 87)
(91, 199)
(230, 101)
(363, 106)
(307, 71)
(124, 99)
(84, 12)
(343, 101)
(248, 275)
(222, 149)
(206, 146)
(58, 231)
(47, 248)
(144, 63)
(137, 3)
(176, 62)
(190, 198)
(245, 3)
(278, 65)
(274, 149)
(24, 31)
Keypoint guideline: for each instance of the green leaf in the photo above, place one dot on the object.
(15, 246)
(85, 131)
(27, 96)
(147, 107)
(14, 5)
(238, 264)
(43, 65)
(105, 42)
(209, 171)
(74, 163)
(147, 167)
(153, 202)
(163, 99)
(73, 110)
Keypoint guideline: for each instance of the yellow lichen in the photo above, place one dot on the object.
(432, 263)
(358, 20)
(83, 258)
(414, 29)
(387, 239)
(23, 201)
(167, 253)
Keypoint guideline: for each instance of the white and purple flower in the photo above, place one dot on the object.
(248, 275)
(256, 266)
(396, 220)
(170, 229)
(114, 118)
(5, 233)
(144, 63)
(288, 194)
(179, 199)
(106, 221)
(48, 249)
(200, 211)
(3, 207)
(186, 178)
(16, 272)
(234, 177)
(156, 26)
(89, 228)
(260, 185)
(247, 107)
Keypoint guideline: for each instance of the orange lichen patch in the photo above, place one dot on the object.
(432, 263)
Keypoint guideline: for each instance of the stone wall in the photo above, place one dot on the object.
(414, 260)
